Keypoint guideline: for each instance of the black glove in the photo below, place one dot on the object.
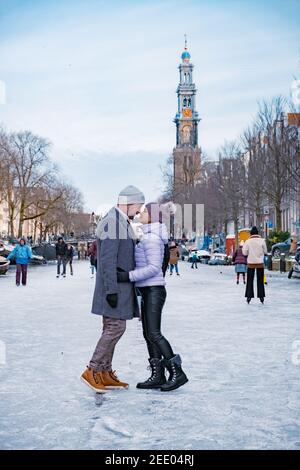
(123, 276)
(112, 300)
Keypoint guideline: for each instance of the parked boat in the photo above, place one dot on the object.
(37, 260)
(6, 249)
(46, 250)
(4, 265)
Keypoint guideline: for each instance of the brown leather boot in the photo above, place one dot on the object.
(94, 380)
(111, 381)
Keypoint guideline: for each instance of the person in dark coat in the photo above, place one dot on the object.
(166, 259)
(69, 257)
(240, 262)
(116, 302)
(61, 256)
(93, 256)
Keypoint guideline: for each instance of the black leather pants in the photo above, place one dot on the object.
(153, 299)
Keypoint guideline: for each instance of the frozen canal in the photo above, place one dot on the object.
(242, 362)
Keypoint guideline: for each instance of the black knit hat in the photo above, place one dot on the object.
(254, 231)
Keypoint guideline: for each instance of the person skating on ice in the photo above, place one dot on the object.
(149, 279)
(69, 257)
(61, 256)
(255, 249)
(174, 257)
(240, 262)
(92, 252)
(194, 260)
(22, 252)
(115, 302)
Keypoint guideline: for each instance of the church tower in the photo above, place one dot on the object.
(186, 154)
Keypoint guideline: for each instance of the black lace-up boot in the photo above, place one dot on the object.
(177, 377)
(157, 378)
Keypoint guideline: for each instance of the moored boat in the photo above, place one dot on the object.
(4, 265)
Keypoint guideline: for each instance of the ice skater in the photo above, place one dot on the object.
(93, 257)
(148, 277)
(116, 302)
(22, 252)
(69, 257)
(194, 260)
(255, 248)
(61, 256)
(174, 256)
(240, 262)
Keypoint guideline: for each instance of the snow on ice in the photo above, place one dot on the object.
(244, 387)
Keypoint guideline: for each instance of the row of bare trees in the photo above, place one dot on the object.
(32, 186)
(261, 168)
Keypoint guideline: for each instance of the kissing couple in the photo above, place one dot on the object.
(127, 267)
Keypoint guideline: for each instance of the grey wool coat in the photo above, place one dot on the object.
(115, 251)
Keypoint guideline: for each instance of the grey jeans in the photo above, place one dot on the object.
(113, 330)
(61, 260)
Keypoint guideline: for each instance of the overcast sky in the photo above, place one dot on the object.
(98, 79)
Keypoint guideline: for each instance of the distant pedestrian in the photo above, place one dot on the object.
(255, 248)
(82, 251)
(174, 256)
(61, 256)
(69, 257)
(93, 257)
(297, 263)
(194, 260)
(22, 252)
(240, 262)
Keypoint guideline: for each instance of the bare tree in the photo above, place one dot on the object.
(256, 170)
(8, 180)
(278, 141)
(230, 178)
(263, 169)
(35, 175)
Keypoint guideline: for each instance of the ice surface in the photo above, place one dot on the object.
(244, 388)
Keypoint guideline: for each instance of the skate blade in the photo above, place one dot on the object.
(152, 388)
(113, 387)
(97, 390)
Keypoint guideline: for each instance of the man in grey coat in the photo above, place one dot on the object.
(116, 302)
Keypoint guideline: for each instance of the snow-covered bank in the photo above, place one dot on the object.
(244, 388)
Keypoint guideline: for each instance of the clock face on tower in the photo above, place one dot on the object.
(187, 113)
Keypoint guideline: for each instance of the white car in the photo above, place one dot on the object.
(201, 255)
(219, 259)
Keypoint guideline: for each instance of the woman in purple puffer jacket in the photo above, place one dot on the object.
(148, 277)
(240, 262)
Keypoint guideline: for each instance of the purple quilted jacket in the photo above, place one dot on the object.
(149, 253)
(238, 257)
